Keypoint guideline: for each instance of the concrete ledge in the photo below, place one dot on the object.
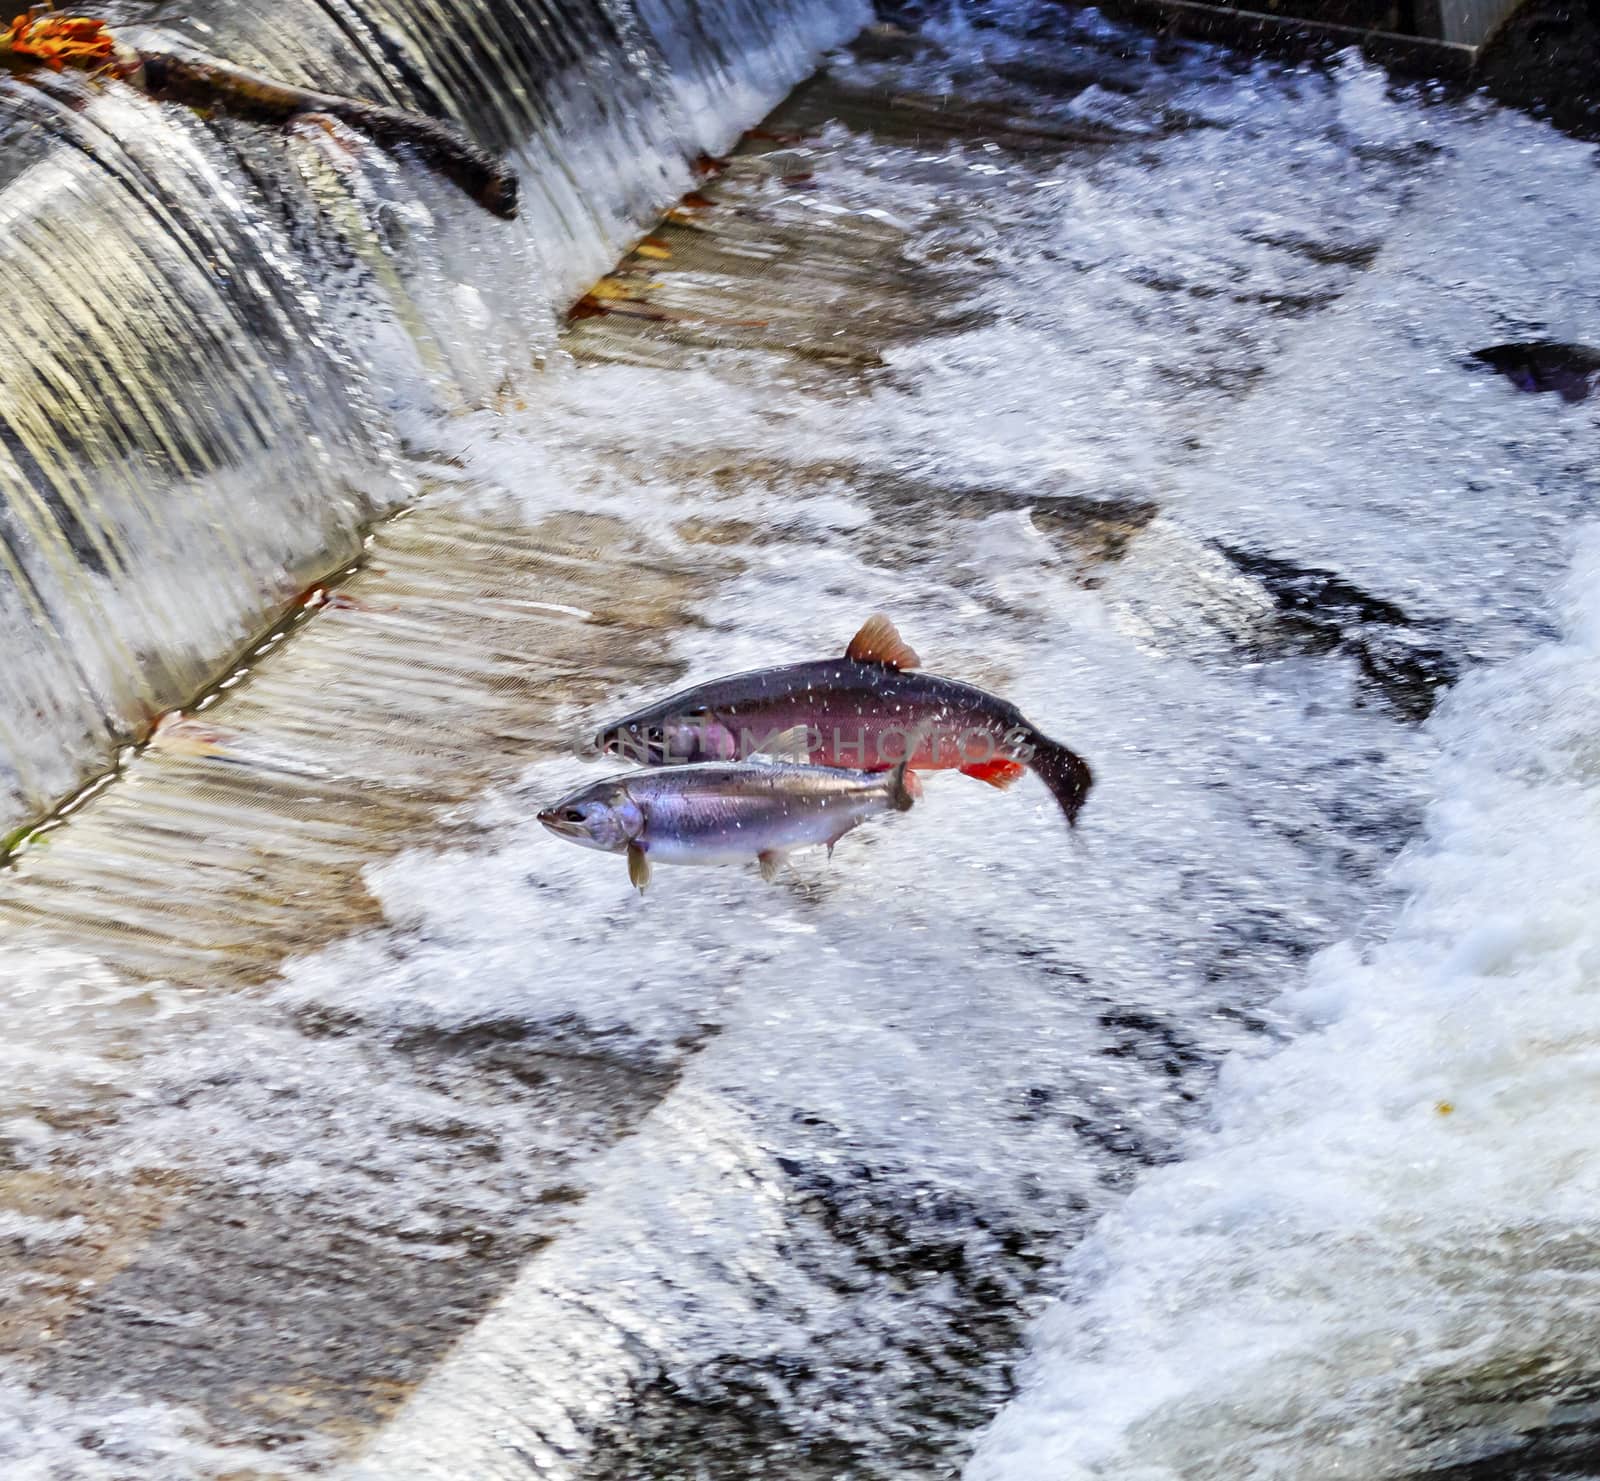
(1300, 36)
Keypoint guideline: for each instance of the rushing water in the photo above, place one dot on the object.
(1175, 441)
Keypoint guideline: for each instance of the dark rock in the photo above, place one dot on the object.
(1545, 59)
(1544, 365)
(1322, 612)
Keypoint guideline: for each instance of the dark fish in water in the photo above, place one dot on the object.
(1544, 365)
(857, 711)
(721, 812)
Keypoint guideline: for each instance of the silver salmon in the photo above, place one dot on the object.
(721, 812)
(858, 712)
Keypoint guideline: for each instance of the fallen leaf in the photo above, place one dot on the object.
(617, 288)
(60, 40)
(180, 735)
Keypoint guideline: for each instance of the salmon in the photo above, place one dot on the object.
(721, 812)
(857, 712)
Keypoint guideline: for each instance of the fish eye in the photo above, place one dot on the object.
(699, 712)
(570, 815)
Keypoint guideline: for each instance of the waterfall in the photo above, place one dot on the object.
(222, 343)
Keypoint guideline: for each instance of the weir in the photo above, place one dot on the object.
(218, 337)
(1431, 35)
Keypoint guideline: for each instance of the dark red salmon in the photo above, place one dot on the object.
(857, 711)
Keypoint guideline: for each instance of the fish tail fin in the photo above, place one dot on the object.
(1064, 772)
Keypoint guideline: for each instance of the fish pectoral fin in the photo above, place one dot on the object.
(793, 744)
(879, 641)
(999, 772)
(771, 862)
(638, 867)
(904, 788)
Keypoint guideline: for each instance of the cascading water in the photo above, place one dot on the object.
(173, 428)
(214, 333)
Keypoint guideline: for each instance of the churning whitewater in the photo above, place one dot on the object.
(1389, 1231)
(1231, 1133)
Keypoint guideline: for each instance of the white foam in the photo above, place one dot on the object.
(1393, 1202)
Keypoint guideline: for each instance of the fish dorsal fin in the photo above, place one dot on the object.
(880, 642)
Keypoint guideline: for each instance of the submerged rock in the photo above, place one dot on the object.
(1545, 365)
(1326, 613)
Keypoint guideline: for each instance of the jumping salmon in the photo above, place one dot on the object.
(857, 712)
(720, 812)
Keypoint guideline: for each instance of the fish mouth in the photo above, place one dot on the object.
(552, 819)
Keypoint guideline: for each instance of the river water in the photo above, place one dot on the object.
(1241, 1133)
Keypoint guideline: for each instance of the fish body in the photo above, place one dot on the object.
(858, 711)
(721, 812)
